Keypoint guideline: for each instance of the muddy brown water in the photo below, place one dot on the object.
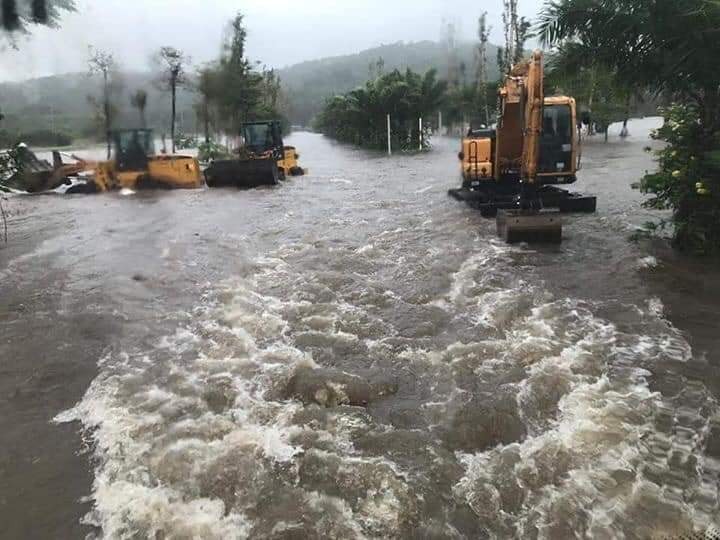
(354, 355)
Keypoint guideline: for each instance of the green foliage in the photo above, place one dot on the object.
(232, 91)
(661, 46)
(17, 21)
(184, 141)
(360, 117)
(468, 103)
(572, 70)
(310, 84)
(211, 150)
(688, 179)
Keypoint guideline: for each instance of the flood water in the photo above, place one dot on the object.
(354, 355)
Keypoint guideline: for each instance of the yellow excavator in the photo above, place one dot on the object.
(135, 165)
(512, 171)
(263, 160)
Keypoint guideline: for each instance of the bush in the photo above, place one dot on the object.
(688, 180)
(183, 142)
(210, 151)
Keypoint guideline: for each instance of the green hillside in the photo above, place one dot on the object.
(310, 83)
(61, 102)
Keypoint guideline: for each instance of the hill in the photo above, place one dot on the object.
(60, 103)
(309, 84)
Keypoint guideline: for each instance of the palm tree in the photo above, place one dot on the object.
(663, 45)
(139, 101)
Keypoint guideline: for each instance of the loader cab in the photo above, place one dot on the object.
(263, 137)
(133, 149)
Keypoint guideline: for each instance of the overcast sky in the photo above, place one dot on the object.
(281, 32)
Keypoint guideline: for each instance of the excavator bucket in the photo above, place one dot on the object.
(516, 226)
(243, 174)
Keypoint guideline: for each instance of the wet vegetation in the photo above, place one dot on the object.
(360, 116)
(646, 46)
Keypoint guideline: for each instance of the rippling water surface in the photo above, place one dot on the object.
(354, 355)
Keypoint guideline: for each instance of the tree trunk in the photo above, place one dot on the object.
(106, 107)
(173, 85)
(624, 133)
(206, 115)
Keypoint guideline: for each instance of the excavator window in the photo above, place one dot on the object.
(556, 143)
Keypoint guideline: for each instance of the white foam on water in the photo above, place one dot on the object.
(647, 263)
(194, 438)
(583, 469)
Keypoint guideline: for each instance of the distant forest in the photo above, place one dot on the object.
(309, 84)
(60, 103)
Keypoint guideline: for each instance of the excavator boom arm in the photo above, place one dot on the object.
(532, 130)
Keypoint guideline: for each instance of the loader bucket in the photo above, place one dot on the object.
(243, 174)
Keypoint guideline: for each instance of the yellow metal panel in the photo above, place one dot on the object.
(181, 172)
(477, 159)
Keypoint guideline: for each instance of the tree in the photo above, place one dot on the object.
(139, 101)
(670, 47)
(572, 69)
(359, 117)
(173, 62)
(482, 68)
(103, 64)
(208, 90)
(241, 85)
(43, 12)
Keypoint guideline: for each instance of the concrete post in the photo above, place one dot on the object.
(389, 136)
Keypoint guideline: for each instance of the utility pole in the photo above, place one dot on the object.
(389, 135)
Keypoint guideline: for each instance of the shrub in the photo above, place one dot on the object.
(688, 179)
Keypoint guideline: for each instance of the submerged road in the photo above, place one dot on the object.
(354, 355)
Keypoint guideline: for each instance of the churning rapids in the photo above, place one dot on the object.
(354, 355)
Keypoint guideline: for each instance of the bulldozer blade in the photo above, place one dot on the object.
(515, 226)
(245, 174)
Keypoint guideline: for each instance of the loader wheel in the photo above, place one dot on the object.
(146, 182)
(83, 189)
(297, 171)
(489, 212)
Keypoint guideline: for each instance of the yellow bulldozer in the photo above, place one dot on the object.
(135, 165)
(512, 171)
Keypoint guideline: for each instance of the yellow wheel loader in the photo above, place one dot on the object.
(135, 165)
(512, 171)
(263, 160)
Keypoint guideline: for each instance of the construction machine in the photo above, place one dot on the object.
(512, 171)
(263, 159)
(135, 165)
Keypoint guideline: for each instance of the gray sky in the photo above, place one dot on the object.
(281, 32)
